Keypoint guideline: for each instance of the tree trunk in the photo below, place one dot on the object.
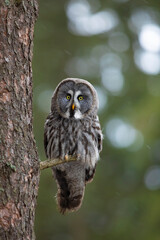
(19, 164)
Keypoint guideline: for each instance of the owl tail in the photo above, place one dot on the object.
(70, 178)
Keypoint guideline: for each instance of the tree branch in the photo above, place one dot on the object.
(53, 162)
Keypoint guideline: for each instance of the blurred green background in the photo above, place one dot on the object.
(116, 46)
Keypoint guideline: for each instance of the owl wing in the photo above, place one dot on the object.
(99, 140)
(51, 124)
(45, 139)
(98, 134)
(45, 143)
(46, 132)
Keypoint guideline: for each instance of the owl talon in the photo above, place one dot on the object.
(66, 157)
(78, 156)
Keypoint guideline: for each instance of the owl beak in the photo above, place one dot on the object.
(73, 106)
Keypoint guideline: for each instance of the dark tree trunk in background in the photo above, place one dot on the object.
(19, 165)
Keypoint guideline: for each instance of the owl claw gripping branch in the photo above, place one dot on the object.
(72, 129)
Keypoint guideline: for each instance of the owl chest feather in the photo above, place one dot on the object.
(72, 137)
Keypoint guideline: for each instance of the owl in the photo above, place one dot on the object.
(72, 128)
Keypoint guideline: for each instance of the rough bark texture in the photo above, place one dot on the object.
(19, 165)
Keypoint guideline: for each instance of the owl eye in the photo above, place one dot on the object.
(68, 97)
(80, 98)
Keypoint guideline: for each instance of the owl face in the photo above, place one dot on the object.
(74, 98)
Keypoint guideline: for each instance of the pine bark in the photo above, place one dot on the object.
(19, 163)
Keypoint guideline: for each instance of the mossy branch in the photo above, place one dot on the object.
(53, 162)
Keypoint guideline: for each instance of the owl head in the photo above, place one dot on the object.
(74, 98)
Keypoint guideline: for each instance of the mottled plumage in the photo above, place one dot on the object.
(73, 128)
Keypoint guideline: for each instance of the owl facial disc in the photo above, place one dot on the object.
(75, 99)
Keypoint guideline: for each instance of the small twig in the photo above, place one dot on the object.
(53, 162)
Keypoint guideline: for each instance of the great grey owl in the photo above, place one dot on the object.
(72, 129)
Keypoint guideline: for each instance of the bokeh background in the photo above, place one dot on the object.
(116, 46)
